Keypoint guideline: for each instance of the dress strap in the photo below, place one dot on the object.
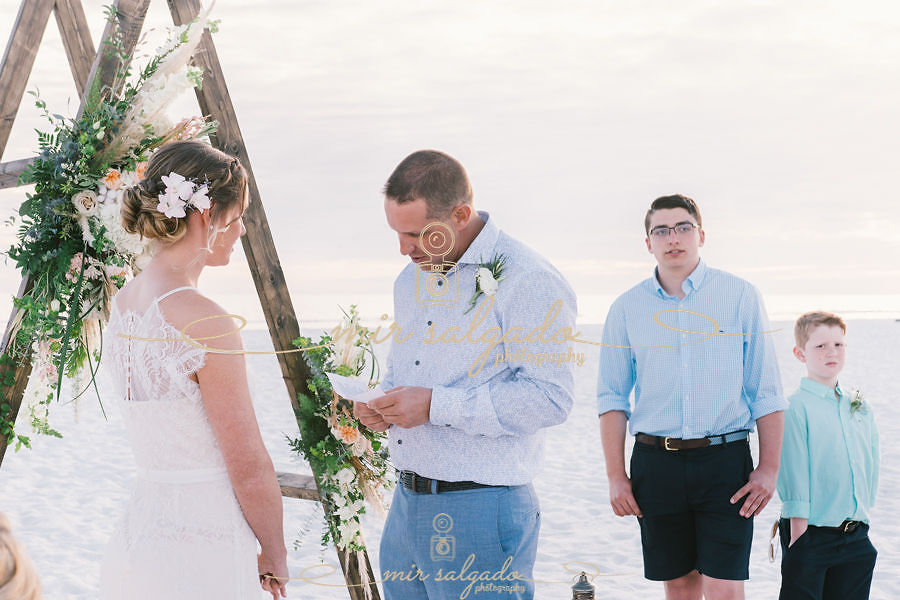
(178, 289)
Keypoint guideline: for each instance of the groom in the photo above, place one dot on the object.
(466, 396)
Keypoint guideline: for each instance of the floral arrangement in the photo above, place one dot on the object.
(70, 240)
(349, 459)
(487, 279)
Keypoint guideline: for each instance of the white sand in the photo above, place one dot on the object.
(65, 495)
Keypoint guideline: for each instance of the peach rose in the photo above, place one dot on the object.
(112, 180)
(347, 433)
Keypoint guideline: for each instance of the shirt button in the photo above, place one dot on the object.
(447, 425)
(440, 282)
(399, 441)
(429, 322)
(417, 362)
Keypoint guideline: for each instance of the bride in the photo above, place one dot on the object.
(206, 491)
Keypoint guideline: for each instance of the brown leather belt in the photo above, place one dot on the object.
(670, 443)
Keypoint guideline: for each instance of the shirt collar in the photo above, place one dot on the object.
(693, 281)
(819, 389)
(481, 249)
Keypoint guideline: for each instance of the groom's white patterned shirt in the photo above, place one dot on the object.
(486, 417)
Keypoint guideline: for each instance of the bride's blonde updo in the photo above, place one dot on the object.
(192, 160)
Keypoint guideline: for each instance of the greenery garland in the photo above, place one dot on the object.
(350, 460)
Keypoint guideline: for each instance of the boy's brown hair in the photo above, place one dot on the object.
(809, 321)
(674, 201)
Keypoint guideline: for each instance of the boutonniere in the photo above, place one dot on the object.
(857, 402)
(487, 279)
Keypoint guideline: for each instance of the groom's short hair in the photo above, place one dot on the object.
(674, 201)
(437, 178)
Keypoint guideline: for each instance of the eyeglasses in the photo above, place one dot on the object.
(662, 232)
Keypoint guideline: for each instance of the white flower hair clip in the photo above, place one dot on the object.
(181, 194)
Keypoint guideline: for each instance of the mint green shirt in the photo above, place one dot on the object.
(829, 460)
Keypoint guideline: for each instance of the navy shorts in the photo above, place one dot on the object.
(689, 522)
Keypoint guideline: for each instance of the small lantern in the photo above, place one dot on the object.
(583, 590)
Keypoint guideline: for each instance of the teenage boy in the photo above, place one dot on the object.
(829, 474)
(692, 343)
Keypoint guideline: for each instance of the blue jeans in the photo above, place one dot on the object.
(471, 544)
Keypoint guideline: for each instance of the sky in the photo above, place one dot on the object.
(778, 118)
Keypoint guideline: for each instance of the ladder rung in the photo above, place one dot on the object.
(294, 485)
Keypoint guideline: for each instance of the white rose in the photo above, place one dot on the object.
(345, 513)
(361, 446)
(346, 476)
(86, 203)
(486, 282)
(349, 531)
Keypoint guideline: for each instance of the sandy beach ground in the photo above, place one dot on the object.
(65, 495)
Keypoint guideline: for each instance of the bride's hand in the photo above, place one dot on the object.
(273, 575)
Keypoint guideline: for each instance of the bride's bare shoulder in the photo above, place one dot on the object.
(202, 318)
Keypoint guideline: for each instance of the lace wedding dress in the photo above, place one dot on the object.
(183, 534)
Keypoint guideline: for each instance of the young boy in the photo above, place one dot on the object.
(829, 473)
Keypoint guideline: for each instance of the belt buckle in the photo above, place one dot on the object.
(847, 526)
(666, 444)
(412, 480)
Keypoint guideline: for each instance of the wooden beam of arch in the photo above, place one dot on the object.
(10, 171)
(18, 60)
(76, 37)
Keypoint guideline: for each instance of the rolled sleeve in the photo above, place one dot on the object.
(616, 375)
(795, 509)
(762, 379)
(766, 406)
(793, 477)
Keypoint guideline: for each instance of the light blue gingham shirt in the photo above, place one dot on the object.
(487, 427)
(829, 459)
(688, 384)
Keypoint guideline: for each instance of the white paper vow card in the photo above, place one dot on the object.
(353, 388)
